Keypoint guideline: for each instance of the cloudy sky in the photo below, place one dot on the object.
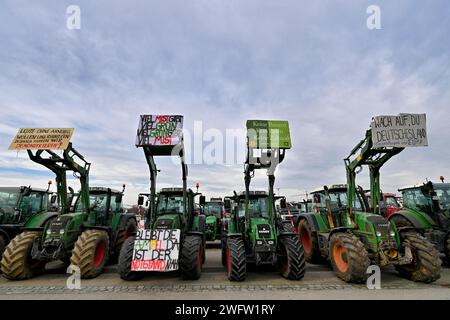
(314, 63)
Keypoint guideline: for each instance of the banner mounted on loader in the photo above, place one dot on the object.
(268, 134)
(160, 132)
(42, 139)
(401, 131)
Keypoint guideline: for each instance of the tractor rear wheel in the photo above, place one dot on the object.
(125, 260)
(309, 241)
(236, 259)
(123, 234)
(349, 257)
(91, 253)
(2, 244)
(426, 266)
(400, 221)
(292, 264)
(447, 251)
(191, 257)
(17, 263)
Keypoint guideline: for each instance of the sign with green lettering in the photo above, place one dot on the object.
(268, 134)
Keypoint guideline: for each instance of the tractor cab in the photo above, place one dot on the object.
(19, 204)
(214, 211)
(433, 199)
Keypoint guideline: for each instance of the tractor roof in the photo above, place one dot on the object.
(331, 187)
(17, 189)
(254, 194)
(103, 190)
(417, 186)
(174, 190)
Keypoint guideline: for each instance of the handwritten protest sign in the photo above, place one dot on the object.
(404, 130)
(42, 139)
(160, 130)
(266, 134)
(156, 250)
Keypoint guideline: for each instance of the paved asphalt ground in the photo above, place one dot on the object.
(318, 283)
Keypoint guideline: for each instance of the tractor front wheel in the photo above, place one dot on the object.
(125, 260)
(91, 253)
(349, 257)
(426, 266)
(292, 262)
(17, 263)
(123, 234)
(191, 257)
(236, 259)
(309, 241)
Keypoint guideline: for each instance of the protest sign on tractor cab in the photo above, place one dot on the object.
(268, 134)
(156, 250)
(401, 131)
(42, 139)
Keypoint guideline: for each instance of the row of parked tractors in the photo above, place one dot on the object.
(342, 225)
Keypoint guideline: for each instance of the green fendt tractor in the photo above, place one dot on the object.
(214, 211)
(255, 234)
(427, 208)
(23, 207)
(172, 211)
(85, 236)
(345, 230)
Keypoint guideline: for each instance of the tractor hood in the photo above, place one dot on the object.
(261, 229)
(211, 220)
(168, 221)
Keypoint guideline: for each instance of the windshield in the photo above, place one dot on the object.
(257, 207)
(213, 209)
(8, 200)
(339, 199)
(392, 202)
(169, 204)
(443, 193)
(97, 202)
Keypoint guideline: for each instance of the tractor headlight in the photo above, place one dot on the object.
(61, 232)
(49, 232)
(392, 233)
(378, 234)
(259, 242)
(270, 242)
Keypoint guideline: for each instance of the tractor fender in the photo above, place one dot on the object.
(408, 217)
(339, 229)
(310, 219)
(102, 228)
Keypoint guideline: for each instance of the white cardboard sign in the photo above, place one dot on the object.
(402, 131)
(156, 250)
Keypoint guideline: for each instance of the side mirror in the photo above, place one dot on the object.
(53, 199)
(202, 200)
(27, 192)
(140, 200)
(227, 204)
(147, 203)
(283, 203)
(119, 198)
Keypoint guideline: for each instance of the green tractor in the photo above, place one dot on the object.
(23, 207)
(85, 236)
(172, 210)
(427, 208)
(254, 233)
(344, 230)
(214, 212)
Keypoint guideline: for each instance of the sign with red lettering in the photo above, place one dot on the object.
(160, 130)
(156, 250)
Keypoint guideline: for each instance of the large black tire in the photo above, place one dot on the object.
(447, 251)
(123, 234)
(91, 253)
(3, 244)
(292, 262)
(16, 262)
(125, 259)
(401, 221)
(309, 242)
(223, 247)
(349, 257)
(236, 259)
(191, 257)
(426, 266)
